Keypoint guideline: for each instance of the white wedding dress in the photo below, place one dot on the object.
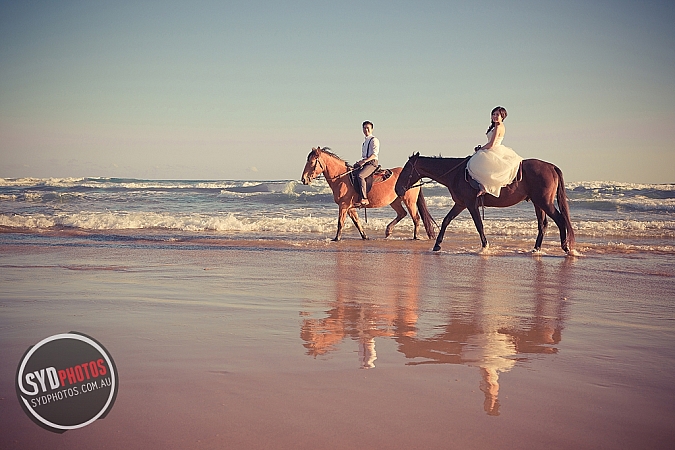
(496, 167)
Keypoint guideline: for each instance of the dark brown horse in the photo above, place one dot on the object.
(541, 182)
(322, 160)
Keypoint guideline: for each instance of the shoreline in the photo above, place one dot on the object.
(454, 242)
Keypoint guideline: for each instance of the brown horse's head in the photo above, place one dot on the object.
(313, 168)
(408, 176)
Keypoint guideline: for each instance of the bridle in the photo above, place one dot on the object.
(414, 167)
(320, 164)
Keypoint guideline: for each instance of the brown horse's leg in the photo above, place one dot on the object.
(400, 214)
(454, 212)
(542, 224)
(410, 200)
(475, 215)
(342, 215)
(355, 219)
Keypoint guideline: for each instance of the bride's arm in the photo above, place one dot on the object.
(499, 132)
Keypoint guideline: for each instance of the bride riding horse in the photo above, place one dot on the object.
(541, 182)
(322, 160)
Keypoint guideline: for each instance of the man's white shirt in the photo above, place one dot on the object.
(368, 148)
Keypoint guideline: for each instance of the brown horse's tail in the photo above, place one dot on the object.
(428, 221)
(564, 208)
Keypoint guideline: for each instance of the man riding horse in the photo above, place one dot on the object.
(370, 150)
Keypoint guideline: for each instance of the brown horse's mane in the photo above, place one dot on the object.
(327, 151)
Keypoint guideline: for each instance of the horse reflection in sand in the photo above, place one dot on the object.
(488, 327)
(389, 312)
(323, 161)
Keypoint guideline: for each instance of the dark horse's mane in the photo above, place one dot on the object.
(441, 157)
(443, 161)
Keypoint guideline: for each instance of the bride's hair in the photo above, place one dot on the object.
(502, 112)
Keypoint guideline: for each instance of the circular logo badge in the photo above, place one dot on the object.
(66, 381)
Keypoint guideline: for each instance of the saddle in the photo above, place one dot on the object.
(378, 176)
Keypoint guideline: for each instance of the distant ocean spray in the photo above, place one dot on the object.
(616, 214)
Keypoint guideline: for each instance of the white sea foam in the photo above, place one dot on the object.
(22, 182)
(638, 202)
(618, 186)
(626, 228)
(311, 223)
(226, 193)
(33, 221)
(181, 222)
(285, 186)
(33, 196)
(107, 183)
(439, 201)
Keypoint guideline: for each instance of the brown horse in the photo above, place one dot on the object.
(541, 182)
(321, 160)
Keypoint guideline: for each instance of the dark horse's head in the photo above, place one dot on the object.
(409, 175)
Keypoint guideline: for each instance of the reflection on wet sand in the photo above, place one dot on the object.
(482, 323)
(384, 311)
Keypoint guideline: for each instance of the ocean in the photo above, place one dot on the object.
(607, 217)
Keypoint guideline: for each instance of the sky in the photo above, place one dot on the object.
(244, 90)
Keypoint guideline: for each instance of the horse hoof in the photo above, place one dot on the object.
(573, 253)
(335, 239)
(484, 250)
(437, 248)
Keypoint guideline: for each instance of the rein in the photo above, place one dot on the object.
(422, 183)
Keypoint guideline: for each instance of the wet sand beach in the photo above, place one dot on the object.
(377, 344)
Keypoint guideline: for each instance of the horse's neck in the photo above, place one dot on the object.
(334, 167)
(439, 167)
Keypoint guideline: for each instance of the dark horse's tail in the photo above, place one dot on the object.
(428, 221)
(564, 208)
